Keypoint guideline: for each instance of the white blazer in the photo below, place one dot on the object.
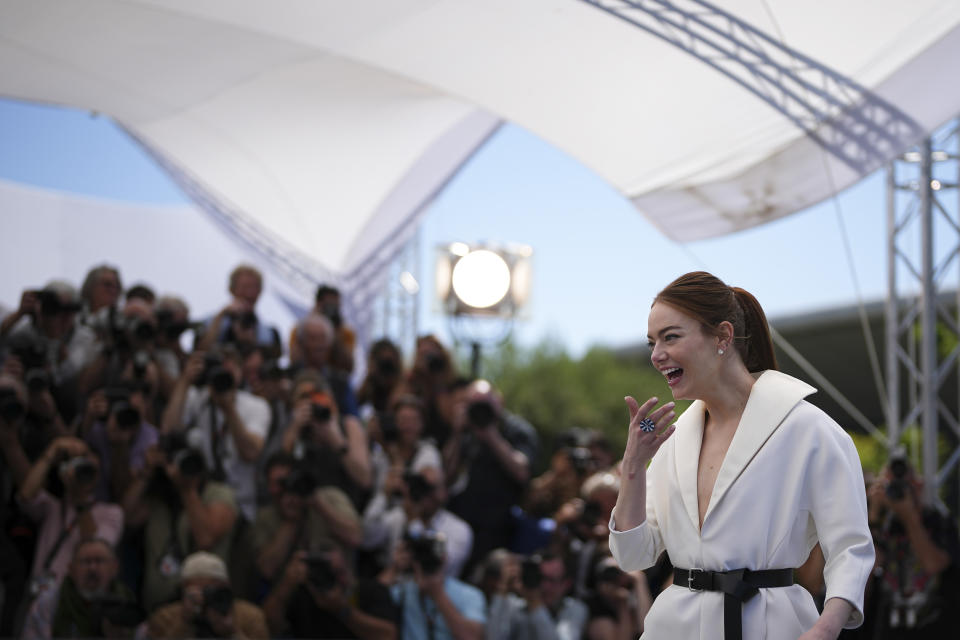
(790, 478)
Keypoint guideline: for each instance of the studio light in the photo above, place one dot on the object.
(482, 280)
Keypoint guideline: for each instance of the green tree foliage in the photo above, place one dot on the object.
(556, 392)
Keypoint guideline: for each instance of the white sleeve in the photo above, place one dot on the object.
(838, 500)
(640, 547)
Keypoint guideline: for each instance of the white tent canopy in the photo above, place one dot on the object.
(317, 131)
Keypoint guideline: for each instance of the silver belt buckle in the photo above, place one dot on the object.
(690, 579)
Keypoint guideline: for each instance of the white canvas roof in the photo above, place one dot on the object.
(316, 131)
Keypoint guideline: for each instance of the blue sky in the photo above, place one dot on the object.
(597, 262)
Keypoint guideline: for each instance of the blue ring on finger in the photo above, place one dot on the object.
(647, 425)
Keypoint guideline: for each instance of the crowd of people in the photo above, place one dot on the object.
(246, 487)
(167, 477)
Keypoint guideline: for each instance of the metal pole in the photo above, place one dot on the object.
(892, 317)
(928, 318)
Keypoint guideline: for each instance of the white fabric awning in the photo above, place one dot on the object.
(317, 131)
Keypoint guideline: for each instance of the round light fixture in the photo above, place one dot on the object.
(481, 279)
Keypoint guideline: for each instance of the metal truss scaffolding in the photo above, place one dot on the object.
(922, 322)
(395, 310)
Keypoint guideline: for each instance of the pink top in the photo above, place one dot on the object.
(47, 510)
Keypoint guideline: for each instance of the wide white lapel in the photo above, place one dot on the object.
(772, 397)
(687, 441)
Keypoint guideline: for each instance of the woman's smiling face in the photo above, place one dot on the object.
(682, 351)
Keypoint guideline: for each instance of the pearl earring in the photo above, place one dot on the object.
(719, 352)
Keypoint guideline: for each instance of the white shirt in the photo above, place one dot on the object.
(241, 475)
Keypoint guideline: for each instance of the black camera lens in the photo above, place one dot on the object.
(436, 363)
(387, 367)
(189, 462)
(530, 575)
(143, 330)
(37, 380)
(84, 471)
(128, 417)
(246, 320)
(388, 427)
(218, 598)
(299, 482)
(428, 549)
(221, 380)
(320, 572)
(320, 412)
(481, 413)
(11, 409)
(418, 487)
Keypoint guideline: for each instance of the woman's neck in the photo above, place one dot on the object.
(726, 402)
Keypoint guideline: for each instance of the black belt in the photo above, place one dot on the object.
(737, 586)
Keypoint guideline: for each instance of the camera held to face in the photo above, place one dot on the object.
(428, 549)
(188, 461)
(481, 414)
(899, 482)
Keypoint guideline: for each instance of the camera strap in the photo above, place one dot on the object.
(430, 620)
(216, 443)
(64, 533)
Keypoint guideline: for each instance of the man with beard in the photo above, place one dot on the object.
(90, 602)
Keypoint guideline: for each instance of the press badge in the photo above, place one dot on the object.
(169, 565)
(43, 582)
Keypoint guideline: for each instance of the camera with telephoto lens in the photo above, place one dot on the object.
(299, 482)
(899, 469)
(215, 374)
(218, 599)
(480, 413)
(581, 459)
(11, 409)
(51, 304)
(530, 575)
(387, 367)
(189, 461)
(244, 319)
(320, 571)
(29, 350)
(84, 471)
(436, 363)
(418, 487)
(320, 412)
(167, 326)
(127, 416)
(388, 426)
(37, 380)
(428, 549)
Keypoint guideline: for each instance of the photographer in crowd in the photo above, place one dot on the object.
(300, 516)
(487, 461)
(316, 337)
(68, 511)
(90, 602)
(333, 445)
(916, 590)
(181, 511)
(39, 334)
(116, 430)
(320, 597)
(344, 341)
(546, 610)
(434, 606)
(237, 322)
(207, 607)
(384, 376)
(227, 424)
(422, 508)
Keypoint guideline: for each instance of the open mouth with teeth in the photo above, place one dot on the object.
(673, 375)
